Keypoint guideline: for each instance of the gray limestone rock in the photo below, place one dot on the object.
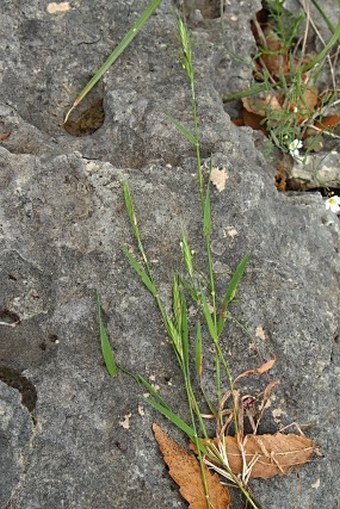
(16, 438)
(62, 228)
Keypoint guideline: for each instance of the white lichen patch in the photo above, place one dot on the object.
(278, 413)
(316, 484)
(260, 333)
(125, 423)
(54, 7)
(219, 177)
(231, 232)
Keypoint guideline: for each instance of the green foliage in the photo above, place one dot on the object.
(107, 353)
(191, 288)
(287, 25)
(124, 43)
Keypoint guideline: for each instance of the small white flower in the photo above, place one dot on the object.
(333, 203)
(294, 147)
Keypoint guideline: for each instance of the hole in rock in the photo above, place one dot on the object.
(53, 338)
(16, 380)
(87, 117)
(9, 317)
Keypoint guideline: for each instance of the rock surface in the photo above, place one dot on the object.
(84, 442)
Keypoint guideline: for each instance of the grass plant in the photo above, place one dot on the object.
(188, 342)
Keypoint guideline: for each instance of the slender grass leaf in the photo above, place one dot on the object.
(207, 315)
(183, 130)
(177, 421)
(176, 303)
(231, 290)
(187, 256)
(199, 350)
(144, 383)
(323, 54)
(175, 339)
(129, 204)
(105, 343)
(324, 15)
(207, 213)
(141, 272)
(185, 332)
(154, 393)
(255, 89)
(127, 39)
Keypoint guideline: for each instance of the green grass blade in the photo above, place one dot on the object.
(177, 421)
(144, 383)
(231, 291)
(323, 54)
(141, 272)
(174, 338)
(105, 343)
(187, 255)
(127, 39)
(183, 130)
(185, 332)
(198, 350)
(255, 89)
(152, 391)
(208, 319)
(129, 204)
(324, 15)
(207, 213)
(176, 303)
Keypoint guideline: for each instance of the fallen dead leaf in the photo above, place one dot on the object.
(260, 106)
(218, 178)
(254, 121)
(185, 471)
(306, 105)
(258, 371)
(328, 122)
(270, 454)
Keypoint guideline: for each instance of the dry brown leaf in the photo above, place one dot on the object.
(260, 106)
(272, 454)
(258, 371)
(310, 97)
(328, 122)
(238, 121)
(219, 177)
(253, 120)
(185, 471)
(306, 105)
(277, 59)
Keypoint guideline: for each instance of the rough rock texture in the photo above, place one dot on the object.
(62, 227)
(16, 432)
